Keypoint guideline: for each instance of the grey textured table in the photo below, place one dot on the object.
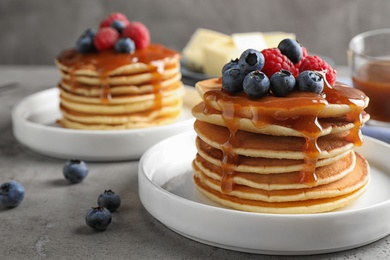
(49, 224)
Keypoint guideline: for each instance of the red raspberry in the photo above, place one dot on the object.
(112, 17)
(105, 38)
(313, 62)
(139, 33)
(276, 61)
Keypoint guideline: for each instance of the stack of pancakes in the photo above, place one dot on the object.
(280, 155)
(108, 90)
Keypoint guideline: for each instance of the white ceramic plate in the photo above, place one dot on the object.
(34, 126)
(167, 192)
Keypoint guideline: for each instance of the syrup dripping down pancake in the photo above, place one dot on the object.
(339, 194)
(109, 91)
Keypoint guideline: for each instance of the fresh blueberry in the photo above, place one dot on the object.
(125, 45)
(109, 200)
(311, 81)
(75, 170)
(292, 49)
(282, 83)
(11, 194)
(98, 218)
(232, 80)
(84, 43)
(118, 25)
(251, 60)
(256, 84)
(229, 65)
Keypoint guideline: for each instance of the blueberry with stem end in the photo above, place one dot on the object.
(98, 218)
(251, 60)
(256, 84)
(282, 83)
(311, 81)
(109, 200)
(75, 170)
(229, 65)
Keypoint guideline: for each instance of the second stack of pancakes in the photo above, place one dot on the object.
(110, 91)
(297, 157)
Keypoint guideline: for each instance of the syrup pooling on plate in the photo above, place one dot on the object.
(281, 111)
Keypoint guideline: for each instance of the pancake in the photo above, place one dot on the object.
(282, 181)
(269, 146)
(259, 165)
(107, 90)
(295, 207)
(352, 181)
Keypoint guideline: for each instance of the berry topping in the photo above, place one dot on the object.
(232, 80)
(125, 45)
(256, 84)
(139, 33)
(118, 25)
(109, 200)
(84, 43)
(98, 218)
(282, 83)
(11, 194)
(276, 61)
(105, 38)
(277, 71)
(310, 81)
(292, 49)
(251, 60)
(75, 170)
(112, 17)
(109, 36)
(229, 65)
(313, 62)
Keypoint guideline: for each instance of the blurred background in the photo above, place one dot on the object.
(34, 32)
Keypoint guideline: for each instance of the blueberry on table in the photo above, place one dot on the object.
(11, 194)
(251, 60)
(75, 170)
(282, 83)
(310, 81)
(98, 218)
(256, 84)
(109, 200)
(292, 49)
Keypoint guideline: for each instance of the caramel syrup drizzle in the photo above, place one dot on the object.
(105, 62)
(264, 112)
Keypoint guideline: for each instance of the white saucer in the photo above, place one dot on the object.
(34, 126)
(167, 192)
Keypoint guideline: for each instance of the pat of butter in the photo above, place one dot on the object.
(252, 40)
(218, 53)
(193, 52)
(272, 39)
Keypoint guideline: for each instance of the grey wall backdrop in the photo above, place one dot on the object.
(34, 31)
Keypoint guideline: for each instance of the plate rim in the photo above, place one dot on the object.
(25, 130)
(263, 216)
